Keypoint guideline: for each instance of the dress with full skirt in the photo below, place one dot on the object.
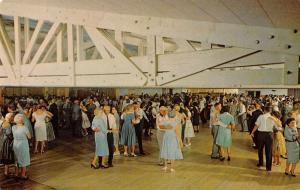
(21, 146)
(128, 135)
(170, 146)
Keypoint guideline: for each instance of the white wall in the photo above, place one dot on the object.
(138, 91)
(266, 91)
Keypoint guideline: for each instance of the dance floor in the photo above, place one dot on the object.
(67, 166)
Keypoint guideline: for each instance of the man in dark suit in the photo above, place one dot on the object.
(54, 110)
(111, 128)
(76, 119)
(255, 114)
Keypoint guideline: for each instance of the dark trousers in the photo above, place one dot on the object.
(265, 140)
(111, 147)
(76, 127)
(215, 148)
(139, 135)
(55, 126)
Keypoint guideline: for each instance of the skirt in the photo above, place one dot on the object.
(128, 136)
(116, 138)
(189, 130)
(292, 152)
(170, 147)
(21, 149)
(50, 131)
(85, 121)
(7, 153)
(40, 131)
(224, 137)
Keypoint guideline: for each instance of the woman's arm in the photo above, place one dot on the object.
(254, 130)
(49, 114)
(28, 135)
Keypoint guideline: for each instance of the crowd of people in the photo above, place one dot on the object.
(119, 126)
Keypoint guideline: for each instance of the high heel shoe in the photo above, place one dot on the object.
(293, 174)
(94, 167)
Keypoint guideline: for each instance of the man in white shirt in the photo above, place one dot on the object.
(242, 116)
(264, 125)
(110, 121)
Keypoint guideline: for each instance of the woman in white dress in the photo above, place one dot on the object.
(85, 120)
(39, 117)
(189, 130)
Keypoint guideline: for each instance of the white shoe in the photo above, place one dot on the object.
(133, 155)
(116, 153)
(125, 154)
(165, 168)
(172, 170)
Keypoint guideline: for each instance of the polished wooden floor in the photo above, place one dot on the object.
(67, 166)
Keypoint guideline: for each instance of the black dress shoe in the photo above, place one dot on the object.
(142, 153)
(222, 158)
(110, 165)
(103, 167)
(24, 177)
(259, 165)
(214, 157)
(228, 159)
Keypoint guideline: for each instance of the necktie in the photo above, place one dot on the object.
(107, 121)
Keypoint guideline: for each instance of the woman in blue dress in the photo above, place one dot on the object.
(21, 147)
(224, 139)
(292, 146)
(100, 129)
(128, 135)
(171, 150)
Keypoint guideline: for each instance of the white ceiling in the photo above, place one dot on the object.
(269, 13)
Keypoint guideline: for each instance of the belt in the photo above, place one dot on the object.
(290, 140)
(265, 131)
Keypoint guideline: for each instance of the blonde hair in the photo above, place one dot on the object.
(296, 108)
(8, 116)
(18, 118)
(130, 107)
(177, 107)
(98, 111)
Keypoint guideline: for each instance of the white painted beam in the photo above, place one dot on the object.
(119, 38)
(51, 34)
(32, 41)
(115, 49)
(59, 46)
(96, 39)
(180, 65)
(80, 50)
(291, 70)
(260, 58)
(231, 79)
(183, 45)
(26, 31)
(6, 62)
(70, 36)
(152, 62)
(6, 41)
(18, 58)
(217, 33)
